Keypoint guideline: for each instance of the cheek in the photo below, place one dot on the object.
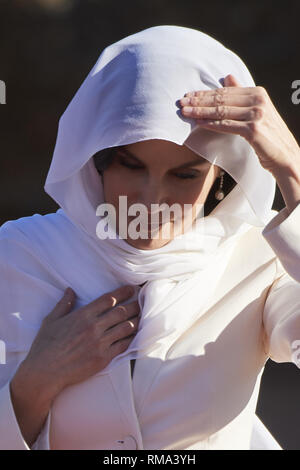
(119, 181)
(115, 185)
(206, 186)
(188, 192)
(194, 193)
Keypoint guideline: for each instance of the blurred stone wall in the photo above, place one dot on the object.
(47, 47)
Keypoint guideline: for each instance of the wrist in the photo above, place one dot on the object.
(25, 382)
(288, 181)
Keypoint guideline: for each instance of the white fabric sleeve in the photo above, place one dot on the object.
(283, 235)
(16, 335)
(281, 316)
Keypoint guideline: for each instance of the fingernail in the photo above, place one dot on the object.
(185, 101)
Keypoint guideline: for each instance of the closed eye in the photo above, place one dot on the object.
(186, 175)
(134, 166)
(130, 165)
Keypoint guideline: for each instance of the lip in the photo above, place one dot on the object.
(161, 223)
(148, 225)
(153, 226)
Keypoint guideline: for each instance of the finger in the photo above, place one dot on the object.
(64, 305)
(120, 346)
(121, 331)
(215, 100)
(223, 91)
(219, 112)
(118, 315)
(110, 299)
(226, 126)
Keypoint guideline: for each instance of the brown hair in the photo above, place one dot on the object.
(104, 158)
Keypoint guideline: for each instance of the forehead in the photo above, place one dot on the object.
(163, 150)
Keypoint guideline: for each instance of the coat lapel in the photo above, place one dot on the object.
(120, 377)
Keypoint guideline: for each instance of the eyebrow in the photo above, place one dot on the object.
(185, 165)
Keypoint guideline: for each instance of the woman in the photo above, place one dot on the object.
(213, 299)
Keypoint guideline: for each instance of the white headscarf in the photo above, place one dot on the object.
(129, 96)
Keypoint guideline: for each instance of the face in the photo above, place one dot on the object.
(156, 172)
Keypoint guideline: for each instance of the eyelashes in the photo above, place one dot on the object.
(186, 176)
(138, 167)
(130, 165)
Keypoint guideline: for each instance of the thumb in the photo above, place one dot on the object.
(64, 305)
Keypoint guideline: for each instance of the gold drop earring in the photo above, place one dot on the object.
(219, 194)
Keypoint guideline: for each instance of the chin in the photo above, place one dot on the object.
(153, 243)
(148, 244)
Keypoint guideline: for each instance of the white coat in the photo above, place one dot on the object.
(204, 395)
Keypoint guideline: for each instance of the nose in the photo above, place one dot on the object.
(153, 193)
